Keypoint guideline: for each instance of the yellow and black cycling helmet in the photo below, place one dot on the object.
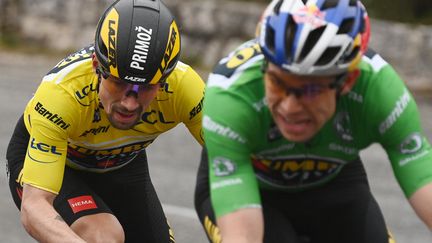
(137, 41)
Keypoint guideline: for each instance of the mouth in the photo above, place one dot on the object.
(294, 125)
(125, 117)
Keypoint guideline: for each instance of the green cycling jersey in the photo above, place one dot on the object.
(247, 152)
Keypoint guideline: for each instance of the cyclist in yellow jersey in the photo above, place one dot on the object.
(77, 160)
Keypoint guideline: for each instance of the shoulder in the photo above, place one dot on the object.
(377, 75)
(72, 62)
(73, 76)
(385, 100)
(182, 94)
(373, 66)
(238, 77)
(244, 56)
(66, 91)
(183, 81)
(373, 62)
(235, 90)
(184, 74)
(235, 67)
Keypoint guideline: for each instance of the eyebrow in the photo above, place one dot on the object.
(319, 80)
(272, 75)
(115, 79)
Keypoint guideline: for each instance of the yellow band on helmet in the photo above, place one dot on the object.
(356, 60)
(172, 50)
(108, 34)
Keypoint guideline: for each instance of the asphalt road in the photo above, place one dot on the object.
(174, 160)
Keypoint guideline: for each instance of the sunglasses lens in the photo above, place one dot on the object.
(312, 91)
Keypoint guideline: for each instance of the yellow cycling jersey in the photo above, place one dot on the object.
(68, 126)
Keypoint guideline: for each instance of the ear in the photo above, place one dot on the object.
(95, 62)
(350, 81)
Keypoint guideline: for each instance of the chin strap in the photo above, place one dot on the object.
(99, 80)
(338, 84)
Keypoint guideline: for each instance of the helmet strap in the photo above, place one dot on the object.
(264, 66)
(99, 80)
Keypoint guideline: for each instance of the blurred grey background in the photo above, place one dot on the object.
(36, 34)
(211, 28)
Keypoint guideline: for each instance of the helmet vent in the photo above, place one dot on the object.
(102, 47)
(311, 42)
(352, 54)
(329, 4)
(346, 26)
(353, 3)
(362, 26)
(327, 56)
(289, 38)
(269, 39)
(277, 7)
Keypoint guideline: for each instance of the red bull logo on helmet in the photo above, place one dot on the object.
(310, 14)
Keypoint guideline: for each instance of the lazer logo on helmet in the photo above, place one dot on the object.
(169, 50)
(112, 43)
(135, 79)
(142, 45)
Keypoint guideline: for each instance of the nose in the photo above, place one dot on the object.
(130, 101)
(291, 104)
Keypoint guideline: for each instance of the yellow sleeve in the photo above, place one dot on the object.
(190, 100)
(49, 119)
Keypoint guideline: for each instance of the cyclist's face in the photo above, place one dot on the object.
(300, 105)
(124, 103)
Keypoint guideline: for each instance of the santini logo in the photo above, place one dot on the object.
(54, 118)
(196, 110)
(397, 111)
(219, 129)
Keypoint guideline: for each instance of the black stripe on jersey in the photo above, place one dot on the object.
(370, 53)
(80, 55)
(235, 59)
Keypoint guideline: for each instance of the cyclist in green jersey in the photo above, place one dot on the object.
(285, 116)
(77, 159)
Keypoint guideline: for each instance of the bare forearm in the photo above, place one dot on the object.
(47, 226)
(421, 201)
(242, 226)
(41, 220)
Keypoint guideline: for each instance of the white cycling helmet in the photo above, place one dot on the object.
(314, 37)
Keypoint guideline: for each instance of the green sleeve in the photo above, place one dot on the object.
(398, 129)
(226, 123)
